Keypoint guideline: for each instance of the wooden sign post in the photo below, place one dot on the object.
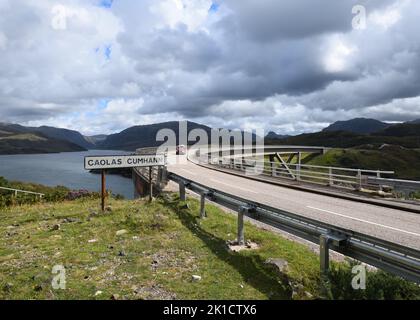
(112, 162)
(103, 190)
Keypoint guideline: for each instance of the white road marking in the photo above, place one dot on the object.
(365, 221)
(235, 187)
(188, 171)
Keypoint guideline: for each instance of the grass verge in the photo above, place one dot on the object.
(139, 250)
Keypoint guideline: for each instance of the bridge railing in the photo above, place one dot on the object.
(332, 176)
(391, 257)
(338, 177)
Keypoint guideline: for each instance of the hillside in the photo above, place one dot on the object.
(273, 135)
(64, 134)
(15, 139)
(139, 250)
(406, 135)
(143, 136)
(357, 125)
(388, 158)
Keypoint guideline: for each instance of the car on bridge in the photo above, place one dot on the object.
(181, 150)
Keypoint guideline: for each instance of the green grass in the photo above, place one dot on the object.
(165, 244)
(402, 161)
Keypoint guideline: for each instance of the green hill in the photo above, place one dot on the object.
(390, 158)
(15, 139)
(406, 135)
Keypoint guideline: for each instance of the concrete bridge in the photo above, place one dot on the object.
(387, 223)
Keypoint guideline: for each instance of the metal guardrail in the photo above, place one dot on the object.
(16, 191)
(396, 259)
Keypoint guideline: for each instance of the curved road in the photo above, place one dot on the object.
(389, 224)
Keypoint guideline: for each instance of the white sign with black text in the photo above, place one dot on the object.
(112, 162)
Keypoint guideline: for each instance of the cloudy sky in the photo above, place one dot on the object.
(291, 66)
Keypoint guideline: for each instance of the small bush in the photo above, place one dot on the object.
(379, 285)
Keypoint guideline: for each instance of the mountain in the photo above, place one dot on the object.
(407, 129)
(17, 139)
(273, 135)
(64, 134)
(357, 125)
(96, 139)
(406, 135)
(144, 136)
(417, 121)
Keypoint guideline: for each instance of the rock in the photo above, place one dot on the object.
(97, 293)
(121, 254)
(8, 287)
(196, 278)
(115, 297)
(280, 265)
(121, 232)
(71, 220)
(56, 227)
(92, 241)
(233, 246)
(38, 288)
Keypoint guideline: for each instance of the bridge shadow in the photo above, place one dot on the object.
(252, 267)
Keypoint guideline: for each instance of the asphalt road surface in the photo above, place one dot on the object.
(389, 224)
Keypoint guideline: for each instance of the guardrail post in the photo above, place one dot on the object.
(338, 240)
(324, 253)
(203, 206)
(182, 195)
(241, 237)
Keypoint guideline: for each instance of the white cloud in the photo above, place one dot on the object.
(291, 66)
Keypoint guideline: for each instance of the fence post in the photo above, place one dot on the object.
(150, 184)
(182, 195)
(203, 206)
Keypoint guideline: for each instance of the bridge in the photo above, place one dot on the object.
(382, 233)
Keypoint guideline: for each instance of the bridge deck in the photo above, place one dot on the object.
(389, 224)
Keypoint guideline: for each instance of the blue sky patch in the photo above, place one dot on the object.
(107, 52)
(106, 3)
(214, 7)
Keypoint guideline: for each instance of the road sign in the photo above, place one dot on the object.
(113, 162)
